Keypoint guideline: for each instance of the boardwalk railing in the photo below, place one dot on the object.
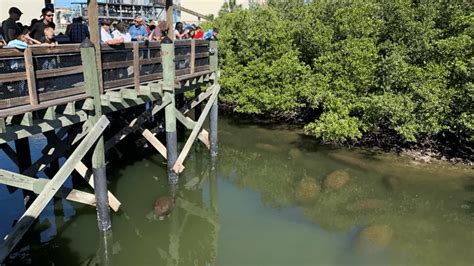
(40, 77)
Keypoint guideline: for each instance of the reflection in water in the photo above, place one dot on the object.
(188, 236)
(392, 211)
(273, 197)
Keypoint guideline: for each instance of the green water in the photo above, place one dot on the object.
(251, 209)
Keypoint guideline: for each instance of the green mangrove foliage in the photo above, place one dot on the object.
(392, 71)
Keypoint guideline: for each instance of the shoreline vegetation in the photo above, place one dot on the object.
(392, 75)
(417, 155)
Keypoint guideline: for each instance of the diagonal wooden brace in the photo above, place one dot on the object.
(135, 124)
(190, 124)
(50, 189)
(201, 97)
(155, 142)
(178, 166)
(82, 169)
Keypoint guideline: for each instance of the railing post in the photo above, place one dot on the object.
(167, 53)
(91, 79)
(193, 56)
(136, 66)
(30, 77)
(94, 29)
(214, 113)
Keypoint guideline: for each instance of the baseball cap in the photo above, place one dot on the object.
(15, 10)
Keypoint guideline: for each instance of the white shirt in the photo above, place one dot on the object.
(104, 35)
(126, 36)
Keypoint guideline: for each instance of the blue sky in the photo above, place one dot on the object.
(59, 3)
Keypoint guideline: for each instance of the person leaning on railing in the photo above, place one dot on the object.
(137, 30)
(37, 30)
(105, 35)
(121, 32)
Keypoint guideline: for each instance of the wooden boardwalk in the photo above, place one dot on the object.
(67, 94)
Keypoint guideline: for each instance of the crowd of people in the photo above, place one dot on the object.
(42, 31)
(142, 30)
(39, 32)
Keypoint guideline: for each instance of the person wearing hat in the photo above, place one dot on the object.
(106, 36)
(37, 30)
(10, 28)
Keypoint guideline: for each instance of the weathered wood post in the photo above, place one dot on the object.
(91, 79)
(94, 29)
(167, 59)
(213, 116)
(169, 18)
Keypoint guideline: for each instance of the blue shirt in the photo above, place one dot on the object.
(137, 31)
(208, 35)
(17, 44)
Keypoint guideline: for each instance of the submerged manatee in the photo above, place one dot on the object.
(374, 238)
(163, 207)
(295, 154)
(307, 190)
(336, 180)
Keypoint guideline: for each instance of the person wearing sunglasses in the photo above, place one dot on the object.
(137, 30)
(37, 30)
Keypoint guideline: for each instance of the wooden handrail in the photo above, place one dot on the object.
(32, 74)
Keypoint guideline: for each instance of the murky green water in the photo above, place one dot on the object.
(267, 201)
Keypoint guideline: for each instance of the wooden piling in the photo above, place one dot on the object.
(92, 81)
(170, 116)
(213, 116)
(197, 111)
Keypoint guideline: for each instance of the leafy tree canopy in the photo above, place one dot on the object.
(355, 70)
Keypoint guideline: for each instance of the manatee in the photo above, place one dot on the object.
(375, 237)
(295, 154)
(336, 180)
(307, 190)
(163, 207)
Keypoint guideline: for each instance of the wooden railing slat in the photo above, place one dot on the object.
(58, 72)
(193, 55)
(30, 77)
(136, 66)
